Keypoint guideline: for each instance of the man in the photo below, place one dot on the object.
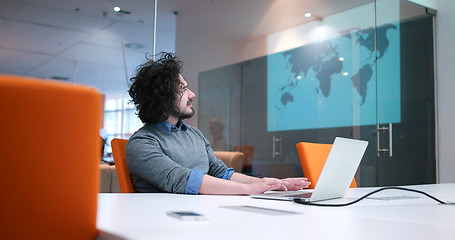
(166, 155)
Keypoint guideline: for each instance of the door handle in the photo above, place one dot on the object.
(276, 140)
(378, 138)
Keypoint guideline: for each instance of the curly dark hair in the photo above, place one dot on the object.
(155, 88)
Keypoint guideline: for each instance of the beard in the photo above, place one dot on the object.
(181, 116)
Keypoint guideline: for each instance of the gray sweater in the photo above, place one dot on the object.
(164, 158)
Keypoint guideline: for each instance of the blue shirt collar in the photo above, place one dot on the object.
(167, 127)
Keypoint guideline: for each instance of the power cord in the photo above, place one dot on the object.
(298, 200)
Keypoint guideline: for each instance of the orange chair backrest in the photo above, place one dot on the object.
(312, 158)
(124, 178)
(49, 175)
(231, 159)
(248, 150)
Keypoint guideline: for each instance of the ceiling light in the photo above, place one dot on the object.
(119, 10)
(308, 14)
(134, 45)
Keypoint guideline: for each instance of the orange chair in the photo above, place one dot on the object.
(50, 153)
(312, 158)
(248, 150)
(231, 159)
(124, 178)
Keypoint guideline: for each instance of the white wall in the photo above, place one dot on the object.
(205, 54)
(445, 43)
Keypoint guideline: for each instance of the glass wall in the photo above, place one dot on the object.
(347, 70)
(120, 121)
(406, 147)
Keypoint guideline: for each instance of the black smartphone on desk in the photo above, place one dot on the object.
(187, 215)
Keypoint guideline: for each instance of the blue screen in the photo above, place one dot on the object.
(339, 82)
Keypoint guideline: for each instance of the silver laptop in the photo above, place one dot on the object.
(336, 176)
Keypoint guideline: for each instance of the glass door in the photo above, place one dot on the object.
(362, 71)
(313, 81)
(405, 137)
(317, 82)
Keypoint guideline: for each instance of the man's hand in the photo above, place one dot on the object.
(268, 184)
(263, 185)
(293, 184)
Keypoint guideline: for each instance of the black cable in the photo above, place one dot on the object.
(298, 200)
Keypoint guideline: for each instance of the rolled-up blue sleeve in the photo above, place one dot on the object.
(194, 182)
(227, 174)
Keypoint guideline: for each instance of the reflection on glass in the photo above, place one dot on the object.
(340, 73)
(217, 140)
(315, 80)
(120, 120)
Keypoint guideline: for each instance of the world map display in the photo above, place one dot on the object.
(338, 82)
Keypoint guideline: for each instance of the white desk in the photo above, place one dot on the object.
(143, 216)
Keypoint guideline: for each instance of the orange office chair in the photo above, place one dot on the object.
(50, 153)
(124, 178)
(312, 157)
(231, 159)
(248, 150)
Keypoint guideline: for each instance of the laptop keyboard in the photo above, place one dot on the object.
(300, 195)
